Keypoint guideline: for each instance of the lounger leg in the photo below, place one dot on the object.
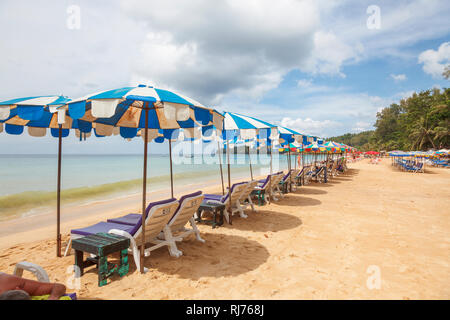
(68, 246)
(227, 215)
(279, 191)
(196, 231)
(264, 198)
(171, 243)
(251, 203)
(241, 211)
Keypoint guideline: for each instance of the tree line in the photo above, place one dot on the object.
(420, 122)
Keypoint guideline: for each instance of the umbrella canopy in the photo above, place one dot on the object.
(333, 147)
(290, 147)
(288, 135)
(130, 110)
(126, 108)
(314, 147)
(35, 112)
(30, 108)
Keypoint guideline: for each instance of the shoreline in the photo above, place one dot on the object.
(75, 215)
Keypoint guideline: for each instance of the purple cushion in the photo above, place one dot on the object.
(213, 197)
(286, 176)
(130, 219)
(135, 219)
(72, 296)
(102, 227)
(183, 198)
(191, 195)
(264, 182)
(221, 198)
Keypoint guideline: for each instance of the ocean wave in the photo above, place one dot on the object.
(16, 205)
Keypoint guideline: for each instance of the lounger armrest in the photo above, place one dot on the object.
(38, 271)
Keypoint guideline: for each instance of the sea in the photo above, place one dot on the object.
(28, 183)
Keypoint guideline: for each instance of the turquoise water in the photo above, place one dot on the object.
(30, 181)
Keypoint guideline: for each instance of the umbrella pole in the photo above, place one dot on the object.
(229, 183)
(58, 196)
(219, 152)
(289, 167)
(144, 189)
(270, 177)
(171, 171)
(250, 162)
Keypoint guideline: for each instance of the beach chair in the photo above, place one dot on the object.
(308, 174)
(333, 172)
(284, 183)
(275, 183)
(175, 229)
(38, 272)
(230, 199)
(157, 214)
(294, 181)
(318, 174)
(261, 189)
(246, 200)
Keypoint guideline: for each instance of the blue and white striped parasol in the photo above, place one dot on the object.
(126, 108)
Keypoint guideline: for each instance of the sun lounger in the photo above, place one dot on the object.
(231, 198)
(39, 272)
(332, 171)
(273, 186)
(245, 200)
(285, 182)
(261, 189)
(318, 174)
(294, 179)
(275, 183)
(158, 215)
(175, 230)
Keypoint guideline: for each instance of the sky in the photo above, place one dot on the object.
(322, 68)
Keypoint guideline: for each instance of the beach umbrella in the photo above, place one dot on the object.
(245, 128)
(146, 109)
(133, 111)
(238, 127)
(38, 114)
(289, 136)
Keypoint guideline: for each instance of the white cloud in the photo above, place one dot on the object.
(304, 83)
(310, 126)
(209, 49)
(434, 61)
(329, 54)
(398, 77)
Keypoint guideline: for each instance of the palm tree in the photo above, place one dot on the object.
(421, 134)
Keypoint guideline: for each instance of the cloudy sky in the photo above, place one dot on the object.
(320, 67)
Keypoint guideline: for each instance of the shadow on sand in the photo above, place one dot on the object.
(264, 220)
(304, 190)
(220, 256)
(296, 200)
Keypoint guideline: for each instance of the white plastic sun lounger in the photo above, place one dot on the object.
(158, 215)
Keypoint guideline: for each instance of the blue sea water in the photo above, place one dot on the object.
(31, 180)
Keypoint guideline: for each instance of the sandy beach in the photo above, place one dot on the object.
(321, 242)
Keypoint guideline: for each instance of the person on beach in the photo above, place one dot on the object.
(17, 288)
